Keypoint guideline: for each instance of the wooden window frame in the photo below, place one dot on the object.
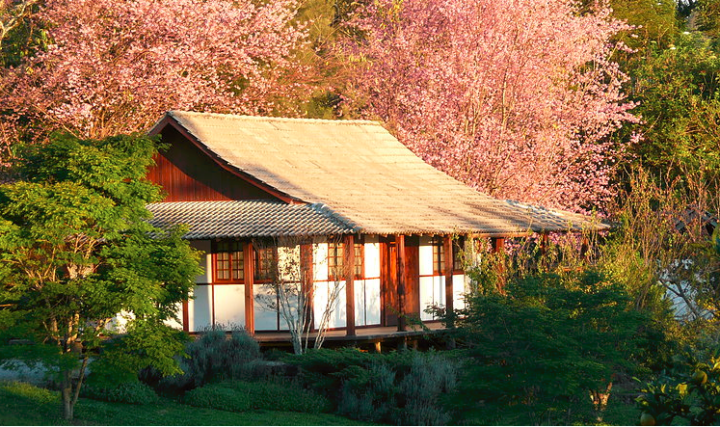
(335, 261)
(338, 276)
(260, 260)
(234, 247)
(359, 248)
(438, 255)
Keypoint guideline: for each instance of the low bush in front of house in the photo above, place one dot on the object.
(133, 392)
(216, 356)
(240, 396)
(405, 388)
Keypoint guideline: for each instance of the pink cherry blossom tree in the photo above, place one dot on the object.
(114, 66)
(517, 98)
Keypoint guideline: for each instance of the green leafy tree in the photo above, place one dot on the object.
(655, 24)
(545, 344)
(679, 94)
(76, 250)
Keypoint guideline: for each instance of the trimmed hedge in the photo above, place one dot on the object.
(243, 396)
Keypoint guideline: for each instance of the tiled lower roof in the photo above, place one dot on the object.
(249, 218)
(265, 218)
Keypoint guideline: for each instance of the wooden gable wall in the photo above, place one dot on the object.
(187, 174)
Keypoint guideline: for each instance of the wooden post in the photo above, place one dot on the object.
(448, 272)
(498, 244)
(349, 264)
(543, 244)
(400, 246)
(585, 249)
(307, 276)
(185, 316)
(249, 266)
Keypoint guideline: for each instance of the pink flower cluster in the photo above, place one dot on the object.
(115, 66)
(517, 98)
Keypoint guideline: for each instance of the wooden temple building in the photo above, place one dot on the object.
(345, 193)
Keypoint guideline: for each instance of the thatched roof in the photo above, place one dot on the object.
(363, 177)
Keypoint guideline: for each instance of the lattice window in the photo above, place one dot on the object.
(265, 264)
(359, 261)
(336, 261)
(438, 256)
(229, 265)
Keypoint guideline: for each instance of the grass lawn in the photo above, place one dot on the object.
(22, 404)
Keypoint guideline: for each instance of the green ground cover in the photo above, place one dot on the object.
(22, 404)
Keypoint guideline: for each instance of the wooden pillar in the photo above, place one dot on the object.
(349, 263)
(185, 316)
(249, 267)
(498, 244)
(543, 244)
(307, 276)
(400, 246)
(448, 272)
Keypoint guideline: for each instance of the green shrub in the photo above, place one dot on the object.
(690, 390)
(218, 397)
(134, 392)
(397, 388)
(38, 395)
(431, 376)
(239, 396)
(546, 345)
(215, 356)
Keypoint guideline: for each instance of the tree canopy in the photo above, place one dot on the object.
(108, 67)
(76, 251)
(515, 98)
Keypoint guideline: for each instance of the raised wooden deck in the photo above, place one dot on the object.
(362, 335)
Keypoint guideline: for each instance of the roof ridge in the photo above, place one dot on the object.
(278, 119)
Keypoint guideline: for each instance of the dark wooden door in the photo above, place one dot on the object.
(412, 276)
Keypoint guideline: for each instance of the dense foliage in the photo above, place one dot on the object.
(132, 392)
(407, 388)
(689, 390)
(544, 344)
(76, 251)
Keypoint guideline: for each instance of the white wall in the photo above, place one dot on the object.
(205, 247)
(372, 256)
(200, 309)
(425, 256)
(460, 286)
(265, 306)
(321, 296)
(230, 305)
